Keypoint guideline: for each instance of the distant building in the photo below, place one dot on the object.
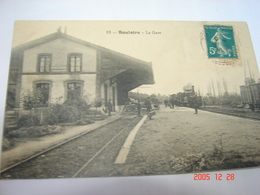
(60, 65)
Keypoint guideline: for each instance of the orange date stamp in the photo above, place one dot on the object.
(216, 176)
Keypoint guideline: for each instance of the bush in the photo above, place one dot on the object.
(32, 99)
(6, 144)
(70, 111)
(84, 122)
(38, 131)
(28, 120)
(50, 119)
(68, 114)
(79, 105)
(98, 102)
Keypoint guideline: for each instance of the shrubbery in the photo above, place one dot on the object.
(6, 144)
(50, 119)
(35, 131)
(213, 161)
(32, 100)
(44, 121)
(28, 120)
(231, 100)
(68, 114)
(84, 122)
(72, 110)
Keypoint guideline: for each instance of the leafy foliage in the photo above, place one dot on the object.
(32, 99)
(72, 110)
(154, 98)
(98, 102)
(35, 131)
(6, 144)
(69, 114)
(213, 160)
(28, 120)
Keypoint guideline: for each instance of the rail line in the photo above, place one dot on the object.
(65, 142)
(231, 114)
(97, 153)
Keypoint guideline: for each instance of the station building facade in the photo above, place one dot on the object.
(59, 65)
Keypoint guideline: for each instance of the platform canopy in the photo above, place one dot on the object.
(127, 71)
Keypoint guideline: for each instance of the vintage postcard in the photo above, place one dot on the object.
(130, 98)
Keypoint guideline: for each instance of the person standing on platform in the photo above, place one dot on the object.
(148, 105)
(138, 108)
(166, 102)
(195, 103)
(109, 107)
(172, 102)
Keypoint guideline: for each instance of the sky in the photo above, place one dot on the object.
(177, 50)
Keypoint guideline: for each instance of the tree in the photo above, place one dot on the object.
(97, 103)
(78, 103)
(32, 99)
(154, 99)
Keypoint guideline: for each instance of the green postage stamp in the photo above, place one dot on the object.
(220, 41)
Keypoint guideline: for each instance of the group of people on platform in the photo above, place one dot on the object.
(194, 102)
(108, 107)
(169, 102)
(148, 106)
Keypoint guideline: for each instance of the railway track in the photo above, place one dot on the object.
(237, 113)
(113, 129)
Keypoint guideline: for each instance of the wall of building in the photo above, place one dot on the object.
(60, 48)
(58, 84)
(59, 76)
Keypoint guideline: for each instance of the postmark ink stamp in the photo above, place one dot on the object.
(220, 42)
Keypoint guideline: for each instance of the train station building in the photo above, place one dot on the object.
(59, 65)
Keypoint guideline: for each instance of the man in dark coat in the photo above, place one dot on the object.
(171, 102)
(148, 104)
(109, 107)
(138, 108)
(166, 102)
(195, 102)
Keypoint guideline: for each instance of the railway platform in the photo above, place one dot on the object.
(28, 149)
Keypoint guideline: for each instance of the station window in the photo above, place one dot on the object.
(44, 63)
(44, 92)
(75, 62)
(74, 90)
